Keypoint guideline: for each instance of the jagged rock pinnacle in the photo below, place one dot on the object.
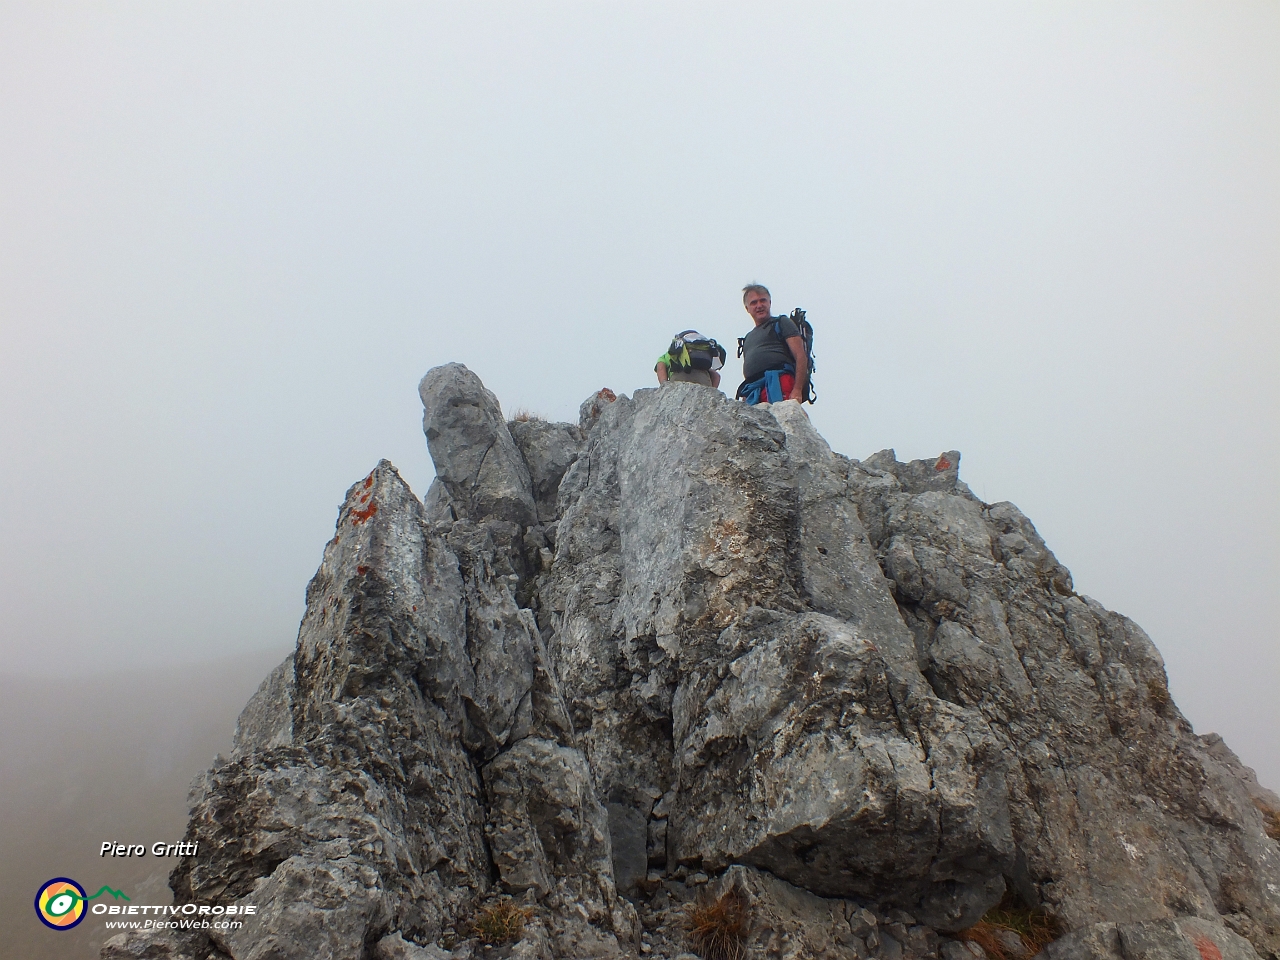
(683, 643)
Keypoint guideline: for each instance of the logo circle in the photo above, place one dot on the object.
(60, 903)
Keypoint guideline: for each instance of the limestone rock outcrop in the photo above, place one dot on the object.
(682, 649)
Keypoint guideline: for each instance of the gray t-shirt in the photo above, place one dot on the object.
(763, 351)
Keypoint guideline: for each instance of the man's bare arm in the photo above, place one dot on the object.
(801, 389)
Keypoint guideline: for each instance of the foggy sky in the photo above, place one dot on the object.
(234, 236)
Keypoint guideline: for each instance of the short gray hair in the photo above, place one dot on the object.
(751, 288)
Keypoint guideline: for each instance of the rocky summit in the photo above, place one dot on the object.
(678, 679)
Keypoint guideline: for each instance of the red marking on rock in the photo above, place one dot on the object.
(360, 516)
(942, 464)
(1208, 949)
(362, 570)
(368, 481)
(606, 394)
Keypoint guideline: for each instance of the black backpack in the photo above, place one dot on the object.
(690, 350)
(806, 334)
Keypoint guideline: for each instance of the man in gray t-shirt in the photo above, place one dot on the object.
(774, 345)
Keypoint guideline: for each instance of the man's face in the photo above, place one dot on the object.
(758, 306)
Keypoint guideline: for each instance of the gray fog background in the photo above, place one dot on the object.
(104, 758)
(234, 236)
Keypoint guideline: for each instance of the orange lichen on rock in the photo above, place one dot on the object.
(360, 516)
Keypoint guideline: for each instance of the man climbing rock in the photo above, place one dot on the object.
(691, 358)
(775, 362)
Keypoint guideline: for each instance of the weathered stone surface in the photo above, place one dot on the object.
(685, 571)
(1185, 938)
(961, 950)
(796, 761)
(592, 407)
(396, 947)
(311, 906)
(513, 694)
(546, 821)
(267, 719)
(476, 459)
(536, 944)
(791, 921)
(1262, 798)
(437, 504)
(548, 450)
(683, 648)
(629, 835)
(1119, 811)
(375, 802)
(787, 921)
(159, 945)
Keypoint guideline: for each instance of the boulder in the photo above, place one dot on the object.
(548, 449)
(706, 625)
(682, 650)
(267, 719)
(396, 947)
(1119, 812)
(368, 795)
(475, 457)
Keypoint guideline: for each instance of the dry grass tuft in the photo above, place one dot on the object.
(526, 416)
(1270, 820)
(718, 929)
(984, 934)
(1035, 928)
(501, 923)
